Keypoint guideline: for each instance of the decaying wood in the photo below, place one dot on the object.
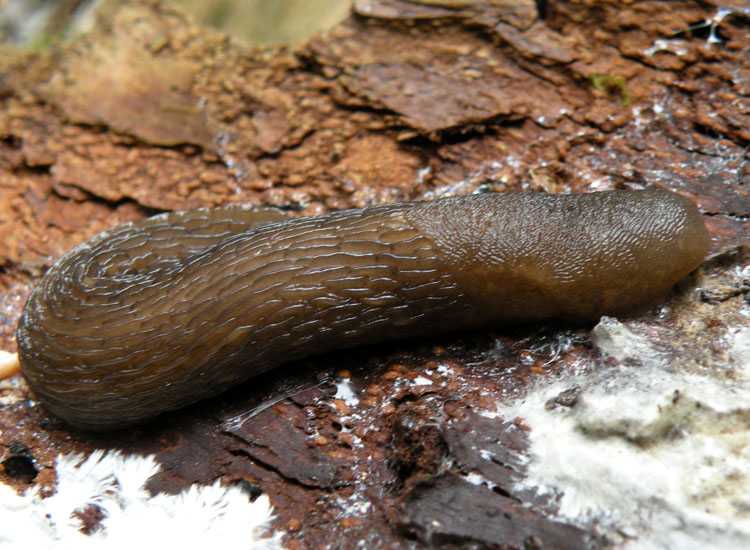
(403, 100)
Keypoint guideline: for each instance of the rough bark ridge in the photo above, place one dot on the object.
(403, 100)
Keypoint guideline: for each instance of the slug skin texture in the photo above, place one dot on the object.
(153, 315)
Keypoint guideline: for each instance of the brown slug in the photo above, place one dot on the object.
(153, 315)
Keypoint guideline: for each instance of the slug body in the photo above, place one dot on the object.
(156, 314)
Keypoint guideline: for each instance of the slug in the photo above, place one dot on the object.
(153, 315)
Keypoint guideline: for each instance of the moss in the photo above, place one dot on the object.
(606, 83)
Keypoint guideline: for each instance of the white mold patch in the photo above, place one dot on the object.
(346, 392)
(650, 456)
(200, 517)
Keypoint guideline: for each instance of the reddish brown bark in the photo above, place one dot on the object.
(403, 100)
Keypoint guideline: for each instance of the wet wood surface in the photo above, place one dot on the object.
(403, 100)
